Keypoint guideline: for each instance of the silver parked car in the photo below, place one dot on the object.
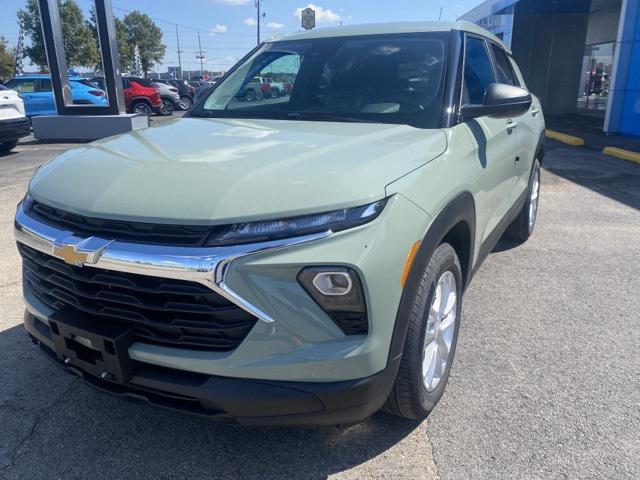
(170, 98)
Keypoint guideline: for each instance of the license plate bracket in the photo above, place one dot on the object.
(94, 346)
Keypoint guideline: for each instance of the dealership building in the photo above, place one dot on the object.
(578, 56)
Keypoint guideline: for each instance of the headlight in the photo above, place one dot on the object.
(261, 231)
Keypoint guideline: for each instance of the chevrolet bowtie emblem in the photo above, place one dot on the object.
(79, 251)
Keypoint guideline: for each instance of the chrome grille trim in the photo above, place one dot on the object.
(205, 265)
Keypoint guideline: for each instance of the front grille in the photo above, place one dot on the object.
(164, 311)
(135, 232)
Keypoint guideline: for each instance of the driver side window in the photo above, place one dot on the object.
(478, 72)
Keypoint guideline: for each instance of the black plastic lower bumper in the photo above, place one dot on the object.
(244, 401)
(13, 129)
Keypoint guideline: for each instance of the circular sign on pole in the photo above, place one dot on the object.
(308, 18)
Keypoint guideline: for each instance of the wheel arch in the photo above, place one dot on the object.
(141, 99)
(455, 224)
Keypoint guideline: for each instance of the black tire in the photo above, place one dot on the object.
(522, 227)
(166, 108)
(6, 147)
(185, 102)
(409, 397)
(250, 96)
(142, 107)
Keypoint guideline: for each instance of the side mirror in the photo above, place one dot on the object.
(500, 100)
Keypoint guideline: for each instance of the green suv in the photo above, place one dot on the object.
(296, 260)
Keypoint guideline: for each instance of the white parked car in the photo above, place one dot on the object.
(13, 123)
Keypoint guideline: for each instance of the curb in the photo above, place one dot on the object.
(622, 154)
(564, 138)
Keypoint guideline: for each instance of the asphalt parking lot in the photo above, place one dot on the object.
(545, 384)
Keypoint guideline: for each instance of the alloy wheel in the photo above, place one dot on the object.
(166, 108)
(439, 331)
(142, 108)
(185, 103)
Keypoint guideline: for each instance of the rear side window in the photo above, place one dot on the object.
(503, 67)
(142, 81)
(478, 73)
(24, 86)
(45, 85)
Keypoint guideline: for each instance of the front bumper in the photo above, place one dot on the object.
(235, 400)
(294, 339)
(295, 366)
(14, 128)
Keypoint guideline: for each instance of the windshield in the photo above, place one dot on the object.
(379, 78)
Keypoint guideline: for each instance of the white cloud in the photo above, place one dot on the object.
(250, 22)
(275, 25)
(232, 2)
(222, 61)
(323, 15)
(218, 29)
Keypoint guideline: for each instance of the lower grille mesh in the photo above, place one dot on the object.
(164, 311)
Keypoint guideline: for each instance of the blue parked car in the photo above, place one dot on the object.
(35, 90)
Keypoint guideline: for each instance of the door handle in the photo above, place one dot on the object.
(511, 125)
(534, 111)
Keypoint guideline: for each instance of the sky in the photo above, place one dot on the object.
(228, 27)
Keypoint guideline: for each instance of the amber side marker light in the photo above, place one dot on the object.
(407, 265)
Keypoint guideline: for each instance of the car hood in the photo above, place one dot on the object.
(214, 171)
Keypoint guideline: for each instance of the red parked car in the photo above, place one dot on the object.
(140, 96)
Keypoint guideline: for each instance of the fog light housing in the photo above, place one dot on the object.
(338, 291)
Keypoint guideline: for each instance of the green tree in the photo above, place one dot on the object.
(7, 60)
(125, 48)
(79, 44)
(144, 33)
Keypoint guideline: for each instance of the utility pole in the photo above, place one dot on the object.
(200, 56)
(179, 52)
(440, 16)
(257, 3)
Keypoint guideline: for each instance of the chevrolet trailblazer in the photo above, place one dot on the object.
(298, 260)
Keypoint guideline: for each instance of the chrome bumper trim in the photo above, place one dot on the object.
(208, 266)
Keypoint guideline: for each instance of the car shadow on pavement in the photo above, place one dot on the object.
(616, 179)
(55, 426)
(7, 154)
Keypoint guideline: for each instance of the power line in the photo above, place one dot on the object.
(230, 34)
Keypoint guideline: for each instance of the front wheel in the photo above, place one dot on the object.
(142, 108)
(522, 227)
(185, 103)
(432, 334)
(166, 108)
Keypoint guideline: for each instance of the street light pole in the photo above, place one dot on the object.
(257, 3)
